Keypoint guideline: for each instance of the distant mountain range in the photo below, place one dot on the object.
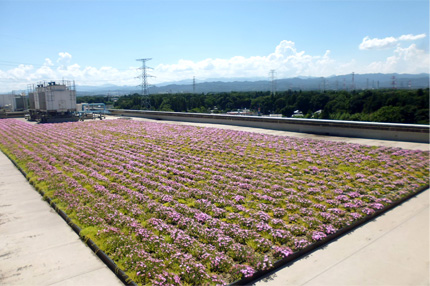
(341, 82)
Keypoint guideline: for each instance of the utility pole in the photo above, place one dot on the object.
(144, 85)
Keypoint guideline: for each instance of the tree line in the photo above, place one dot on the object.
(382, 105)
(108, 100)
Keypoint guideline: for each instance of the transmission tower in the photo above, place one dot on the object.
(194, 84)
(144, 85)
(273, 82)
(322, 84)
(393, 82)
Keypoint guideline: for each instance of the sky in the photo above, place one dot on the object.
(99, 42)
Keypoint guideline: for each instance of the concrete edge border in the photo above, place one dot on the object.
(330, 238)
(91, 244)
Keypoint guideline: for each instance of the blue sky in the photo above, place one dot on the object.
(97, 42)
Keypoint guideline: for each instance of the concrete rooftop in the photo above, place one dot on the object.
(37, 247)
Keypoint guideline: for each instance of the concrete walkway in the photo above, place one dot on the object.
(37, 247)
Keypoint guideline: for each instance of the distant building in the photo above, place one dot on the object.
(297, 113)
(240, 112)
(6, 101)
(317, 113)
(13, 102)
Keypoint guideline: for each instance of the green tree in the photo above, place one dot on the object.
(390, 114)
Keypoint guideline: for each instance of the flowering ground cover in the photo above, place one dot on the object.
(185, 205)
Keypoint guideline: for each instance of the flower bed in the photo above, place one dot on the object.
(186, 205)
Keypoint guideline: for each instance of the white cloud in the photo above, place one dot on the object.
(404, 60)
(48, 62)
(368, 43)
(22, 75)
(64, 58)
(43, 72)
(388, 42)
(286, 59)
(410, 37)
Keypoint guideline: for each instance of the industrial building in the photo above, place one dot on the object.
(53, 101)
(13, 102)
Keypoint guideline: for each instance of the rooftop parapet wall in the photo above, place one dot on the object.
(357, 129)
